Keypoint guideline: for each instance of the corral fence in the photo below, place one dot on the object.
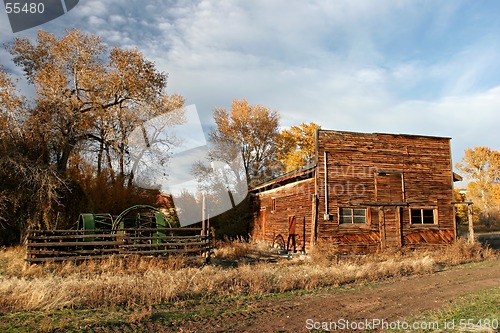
(60, 245)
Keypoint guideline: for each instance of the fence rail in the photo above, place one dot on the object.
(61, 245)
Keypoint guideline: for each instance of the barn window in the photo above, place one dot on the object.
(273, 204)
(422, 216)
(352, 215)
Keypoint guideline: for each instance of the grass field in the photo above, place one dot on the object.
(137, 292)
(476, 312)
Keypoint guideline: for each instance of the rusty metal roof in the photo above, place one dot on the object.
(286, 176)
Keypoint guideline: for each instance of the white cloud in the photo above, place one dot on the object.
(470, 120)
(348, 65)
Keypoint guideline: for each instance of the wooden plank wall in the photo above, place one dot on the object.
(353, 161)
(294, 199)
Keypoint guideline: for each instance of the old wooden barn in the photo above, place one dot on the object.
(364, 192)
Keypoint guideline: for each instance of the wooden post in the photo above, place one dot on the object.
(314, 218)
(27, 262)
(208, 224)
(471, 223)
(399, 225)
(203, 222)
(209, 240)
(381, 226)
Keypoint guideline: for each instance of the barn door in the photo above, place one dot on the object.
(389, 191)
(390, 226)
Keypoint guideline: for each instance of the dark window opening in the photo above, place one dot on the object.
(422, 216)
(352, 215)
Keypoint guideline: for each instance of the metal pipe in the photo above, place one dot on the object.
(326, 184)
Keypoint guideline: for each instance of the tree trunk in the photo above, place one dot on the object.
(62, 163)
(110, 165)
(99, 158)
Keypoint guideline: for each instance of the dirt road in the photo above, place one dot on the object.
(390, 301)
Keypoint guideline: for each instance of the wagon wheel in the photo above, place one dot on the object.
(279, 242)
(143, 220)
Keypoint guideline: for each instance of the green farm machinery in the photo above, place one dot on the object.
(138, 230)
(140, 216)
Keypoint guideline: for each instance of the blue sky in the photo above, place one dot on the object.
(417, 67)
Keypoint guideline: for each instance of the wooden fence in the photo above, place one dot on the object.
(60, 245)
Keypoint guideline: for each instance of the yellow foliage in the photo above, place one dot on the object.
(481, 166)
(297, 146)
(86, 92)
(254, 129)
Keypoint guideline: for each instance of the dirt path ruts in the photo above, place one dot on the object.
(391, 301)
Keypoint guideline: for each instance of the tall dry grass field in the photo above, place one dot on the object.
(148, 281)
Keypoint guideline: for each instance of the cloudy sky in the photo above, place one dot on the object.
(417, 67)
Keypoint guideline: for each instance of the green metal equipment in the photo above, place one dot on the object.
(92, 222)
(142, 219)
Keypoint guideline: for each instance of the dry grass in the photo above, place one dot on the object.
(462, 252)
(325, 253)
(240, 250)
(146, 282)
(232, 250)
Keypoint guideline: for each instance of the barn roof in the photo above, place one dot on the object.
(385, 134)
(291, 176)
(457, 177)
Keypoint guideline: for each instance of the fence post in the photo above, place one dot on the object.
(203, 222)
(28, 255)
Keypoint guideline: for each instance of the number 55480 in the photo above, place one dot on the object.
(27, 8)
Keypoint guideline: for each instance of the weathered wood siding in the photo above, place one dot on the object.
(272, 224)
(388, 175)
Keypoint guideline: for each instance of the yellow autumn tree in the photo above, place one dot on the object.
(254, 130)
(12, 105)
(86, 93)
(481, 166)
(88, 98)
(297, 146)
